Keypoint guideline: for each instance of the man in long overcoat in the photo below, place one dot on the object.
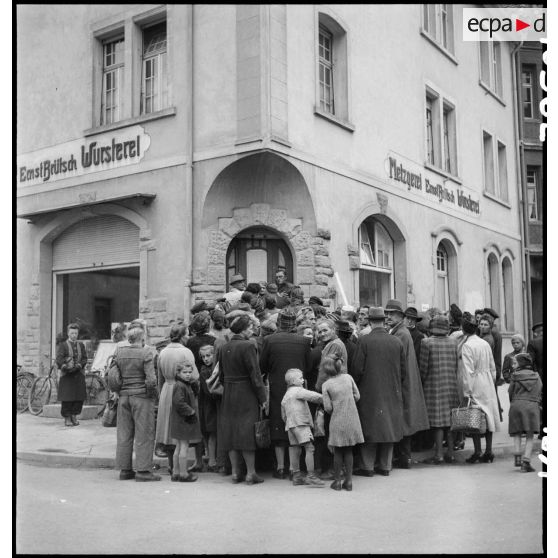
(281, 351)
(71, 359)
(379, 371)
(414, 407)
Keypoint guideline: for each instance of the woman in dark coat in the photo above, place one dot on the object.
(71, 358)
(486, 332)
(243, 394)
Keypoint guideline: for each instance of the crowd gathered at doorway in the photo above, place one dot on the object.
(350, 391)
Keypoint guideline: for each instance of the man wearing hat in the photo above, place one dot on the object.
(283, 286)
(414, 408)
(379, 372)
(411, 319)
(280, 352)
(238, 284)
(345, 333)
(497, 351)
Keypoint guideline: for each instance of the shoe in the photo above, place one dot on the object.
(436, 460)
(212, 469)
(347, 485)
(175, 478)
(127, 474)
(327, 475)
(474, 458)
(403, 463)
(291, 475)
(159, 451)
(253, 479)
(459, 446)
(68, 421)
(298, 479)
(313, 480)
(224, 471)
(146, 476)
(526, 466)
(195, 469)
(188, 478)
(336, 485)
(383, 472)
(279, 474)
(237, 478)
(449, 458)
(517, 460)
(363, 473)
(74, 420)
(487, 457)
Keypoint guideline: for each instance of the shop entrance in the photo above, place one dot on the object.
(256, 253)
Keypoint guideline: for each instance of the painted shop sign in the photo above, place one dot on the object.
(79, 157)
(417, 183)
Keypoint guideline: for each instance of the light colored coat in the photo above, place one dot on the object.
(479, 375)
(294, 406)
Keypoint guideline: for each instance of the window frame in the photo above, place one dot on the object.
(327, 66)
(490, 58)
(530, 70)
(432, 26)
(498, 171)
(532, 188)
(161, 80)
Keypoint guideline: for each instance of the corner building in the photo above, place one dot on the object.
(163, 148)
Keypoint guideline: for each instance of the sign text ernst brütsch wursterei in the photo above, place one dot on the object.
(443, 194)
(91, 155)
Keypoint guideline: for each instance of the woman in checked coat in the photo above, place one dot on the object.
(438, 371)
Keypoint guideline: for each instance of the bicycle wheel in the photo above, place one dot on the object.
(24, 381)
(39, 395)
(96, 392)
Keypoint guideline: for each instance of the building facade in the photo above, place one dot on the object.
(163, 148)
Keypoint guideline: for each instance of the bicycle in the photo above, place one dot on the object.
(96, 389)
(24, 381)
(41, 389)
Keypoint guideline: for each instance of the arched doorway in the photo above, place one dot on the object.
(256, 253)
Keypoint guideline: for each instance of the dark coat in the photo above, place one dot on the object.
(207, 403)
(350, 345)
(184, 406)
(379, 370)
(72, 377)
(497, 351)
(417, 336)
(243, 393)
(414, 407)
(281, 351)
(536, 349)
(196, 342)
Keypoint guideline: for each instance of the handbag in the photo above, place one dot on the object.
(110, 412)
(214, 384)
(319, 423)
(114, 376)
(470, 419)
(262, 432)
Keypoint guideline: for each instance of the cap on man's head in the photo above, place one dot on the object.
(236, 279)
(376, 313)
(393, 305)
(412, 312)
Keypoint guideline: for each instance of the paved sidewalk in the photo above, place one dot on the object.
(48, 441)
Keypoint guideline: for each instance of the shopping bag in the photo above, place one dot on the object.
(470, 419)
(262, 432)
(319, 423)
(110, 412)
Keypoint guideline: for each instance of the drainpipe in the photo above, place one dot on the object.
(522, 208)
(190, 173)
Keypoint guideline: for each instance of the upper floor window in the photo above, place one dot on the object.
(527, 88)
(154, 92)
(491, 66)
(532, 193)
(441, 140)
(113, 81)
(438, 24)
(325, 50)
(495, 167)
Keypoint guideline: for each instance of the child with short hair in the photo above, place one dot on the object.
(185, 426)
(340, 395)
(298, 424)
(524, 416)
(208, 406)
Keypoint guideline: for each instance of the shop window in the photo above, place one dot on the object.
(437, 23)
(441, 141)
(376, 256)
(528, 90)
(154, 88)
(113, 81)
(493, 282)
(507, 282)
(332, 69)
(491, 66)
(533, 193)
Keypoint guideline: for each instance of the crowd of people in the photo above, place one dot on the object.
(352, 391)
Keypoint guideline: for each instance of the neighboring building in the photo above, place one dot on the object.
(528, 70)
(188, 143)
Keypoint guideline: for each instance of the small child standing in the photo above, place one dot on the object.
(524, 417)
(208, 406)
(185, 427)
(298, 424)
(340, 396)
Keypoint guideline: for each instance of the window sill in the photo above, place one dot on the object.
(497, 200)
(171, 111)
(443, 173)
(366, 267)
(443, 50)
(493, 93)
(334, 119)
(535, 222)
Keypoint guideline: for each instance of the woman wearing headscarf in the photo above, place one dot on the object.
(518, 344)
(243, 394)
(485, 325)
(479, 374)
